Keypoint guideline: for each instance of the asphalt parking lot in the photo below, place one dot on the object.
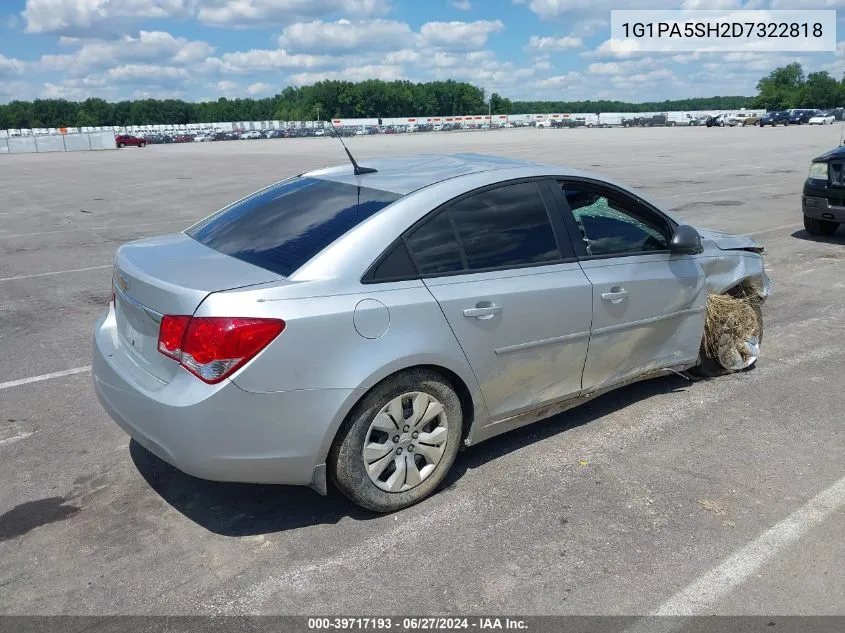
(723, 496)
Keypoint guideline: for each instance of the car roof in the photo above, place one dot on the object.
(405, 174)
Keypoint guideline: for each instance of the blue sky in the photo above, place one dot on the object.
(204, 49)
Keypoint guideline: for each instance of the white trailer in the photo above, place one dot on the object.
(608, 119)
(679, 118)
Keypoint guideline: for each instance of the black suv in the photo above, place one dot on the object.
(823, 202)
(774, 118)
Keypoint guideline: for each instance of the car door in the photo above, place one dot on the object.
(504, 273)
(648, 303)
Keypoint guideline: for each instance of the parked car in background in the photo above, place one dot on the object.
(654, 120)
(823, 202)
(363, 329)
(740, 118)
(774, 119)
(752, 119)
(799, 117)
(251, 135)
(823, 118)
(716, 120)
(127, 140)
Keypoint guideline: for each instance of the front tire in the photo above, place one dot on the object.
(815, 226)
(121, 145)
(398, 443)
(142, 144)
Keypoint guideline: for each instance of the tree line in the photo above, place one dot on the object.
(784, 87)
(787, 87)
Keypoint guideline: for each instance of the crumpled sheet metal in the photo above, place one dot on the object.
(723, 273)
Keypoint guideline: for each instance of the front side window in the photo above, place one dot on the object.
(505, 227)
(282, 227)
(611, 226)
(498, 228)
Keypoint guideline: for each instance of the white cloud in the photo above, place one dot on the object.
(261, 60)
(405, 56)
(79, 89)
(343, 35)
(147, 73)
(459, 35)
(148, 47)
(9, 67)
(226, 86)
(260, 12)
(588, 27)
(714, 5)
(617, 49)
(549, 9)
(259, 88)
(75, 16)
(11, 90)
(558, 81)
(663, 74)
(462, 5)
(537, 43)
(110, 16)
(444, 59)
(617, 68)
(361, 73)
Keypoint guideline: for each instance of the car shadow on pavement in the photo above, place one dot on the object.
(232, 509)
(606, 404)
(836, 238)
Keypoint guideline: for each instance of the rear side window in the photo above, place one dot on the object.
(434, 247)
(284, 226)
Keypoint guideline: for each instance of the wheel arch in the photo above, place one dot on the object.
(750, 286)
(462, 380)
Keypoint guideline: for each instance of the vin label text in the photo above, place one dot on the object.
(755, 31)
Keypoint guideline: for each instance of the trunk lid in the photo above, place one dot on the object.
(171, 274)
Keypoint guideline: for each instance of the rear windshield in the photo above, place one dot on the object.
(282, 227)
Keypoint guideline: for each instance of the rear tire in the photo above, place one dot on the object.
(367, 475)
(121, 145)
(815, 226)
(142, 144)
(709, 367)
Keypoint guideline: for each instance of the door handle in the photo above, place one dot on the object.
(486, 312)
(615, 295)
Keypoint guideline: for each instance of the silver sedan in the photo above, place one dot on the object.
(360, 326)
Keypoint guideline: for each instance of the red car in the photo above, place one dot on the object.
(123, 140)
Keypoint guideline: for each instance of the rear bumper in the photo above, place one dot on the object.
(217, 432)
(822, 209)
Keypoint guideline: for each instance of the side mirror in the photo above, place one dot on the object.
(686, 241)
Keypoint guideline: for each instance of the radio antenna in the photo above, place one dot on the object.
(357, 169)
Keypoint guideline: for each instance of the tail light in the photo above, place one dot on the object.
(213, 348)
